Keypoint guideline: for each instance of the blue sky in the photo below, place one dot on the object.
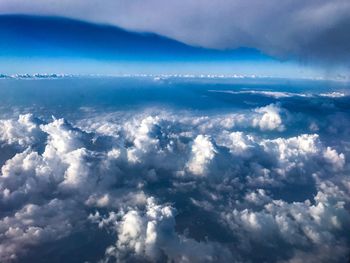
(39, 42)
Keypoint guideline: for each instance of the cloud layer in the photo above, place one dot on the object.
(163, 187)
(316, 29)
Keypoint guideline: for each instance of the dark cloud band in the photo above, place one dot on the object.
(316, 29)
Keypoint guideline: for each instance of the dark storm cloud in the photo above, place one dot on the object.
(316, 29)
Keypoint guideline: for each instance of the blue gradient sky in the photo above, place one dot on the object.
(42, 44)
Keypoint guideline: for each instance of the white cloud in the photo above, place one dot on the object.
(127, 178)
(334, 94)
(270, 118)
(23, 132)
(311, 226)
(293, 147)
(238, 143)
(203, 152)
(62, 137)
(151, 233)
(332, 156)
(266, 93)
(33, 225)
(142, 138)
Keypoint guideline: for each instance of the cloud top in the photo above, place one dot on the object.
(162, 187)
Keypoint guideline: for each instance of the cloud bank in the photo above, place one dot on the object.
(316, 29)
(163, 187)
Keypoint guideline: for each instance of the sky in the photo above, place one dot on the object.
(302, 38)
(175, 168)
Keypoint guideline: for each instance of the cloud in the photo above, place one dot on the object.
(158, 185)
(149, 234)
(145, 139)
(316, 29)
(275, 94)
(332, 156)
(333, 94)
(270, 119)
(33, 224)
(299, 225)
(12, 131)
(203, 152)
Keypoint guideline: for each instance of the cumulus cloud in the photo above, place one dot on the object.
(316, 29)
(162, 187)
(150, 234)
(35, 224)
(298, 225)
(203, 151)
(270, 118)
(23, 132)
(332, 156)
(144, 138)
